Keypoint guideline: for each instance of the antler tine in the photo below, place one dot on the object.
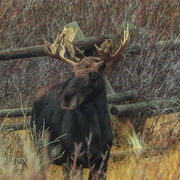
(56, 53)
(105, 52)
(123, 43)
(62, 43)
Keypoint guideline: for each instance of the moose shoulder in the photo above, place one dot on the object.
(77, 112)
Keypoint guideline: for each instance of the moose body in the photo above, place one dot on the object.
(76, 111)
(85, 123)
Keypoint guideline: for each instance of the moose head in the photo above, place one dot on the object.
(87, 71)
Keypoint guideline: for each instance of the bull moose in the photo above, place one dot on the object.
(76, 110)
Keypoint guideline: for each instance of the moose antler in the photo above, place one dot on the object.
(105, 49)
(63, 46)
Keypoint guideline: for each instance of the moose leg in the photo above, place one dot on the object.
(66, 171)
(99, 171)
(77, 174)
(69, 173)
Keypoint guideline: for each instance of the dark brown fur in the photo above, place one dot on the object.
(77, 111)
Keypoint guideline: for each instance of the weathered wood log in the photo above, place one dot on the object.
(15, 126)
(170, 104)
(38, 51)
(18, 112)
(88, 43)
(154, 106)
(24, 52)
(161, 106)
(112, 98)
(116, 98)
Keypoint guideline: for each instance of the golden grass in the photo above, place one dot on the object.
(152, 168)
(20, 162)
(164, 129)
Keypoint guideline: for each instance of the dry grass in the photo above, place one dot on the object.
(163, 130)
(19, 160)
(160, 167)
(163, 166)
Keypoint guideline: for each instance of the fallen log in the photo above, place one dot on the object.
(116, 98)
(157, 107)
(15, 126)
(38, 51)
(18, 112)
(112, 99)
(88, 43)
(160, 106)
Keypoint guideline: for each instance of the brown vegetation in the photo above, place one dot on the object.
(19, 160)
(153, 73)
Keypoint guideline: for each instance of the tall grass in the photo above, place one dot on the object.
(20, 160)
(19, 157)
(159, 167)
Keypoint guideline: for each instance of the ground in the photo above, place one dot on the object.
(22, 163)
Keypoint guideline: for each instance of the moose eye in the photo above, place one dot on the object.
(93, 75)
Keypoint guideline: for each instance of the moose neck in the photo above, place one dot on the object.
(98, 94)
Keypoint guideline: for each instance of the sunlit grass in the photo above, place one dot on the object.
(160, 167)
(20, 161)
(164, 166)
